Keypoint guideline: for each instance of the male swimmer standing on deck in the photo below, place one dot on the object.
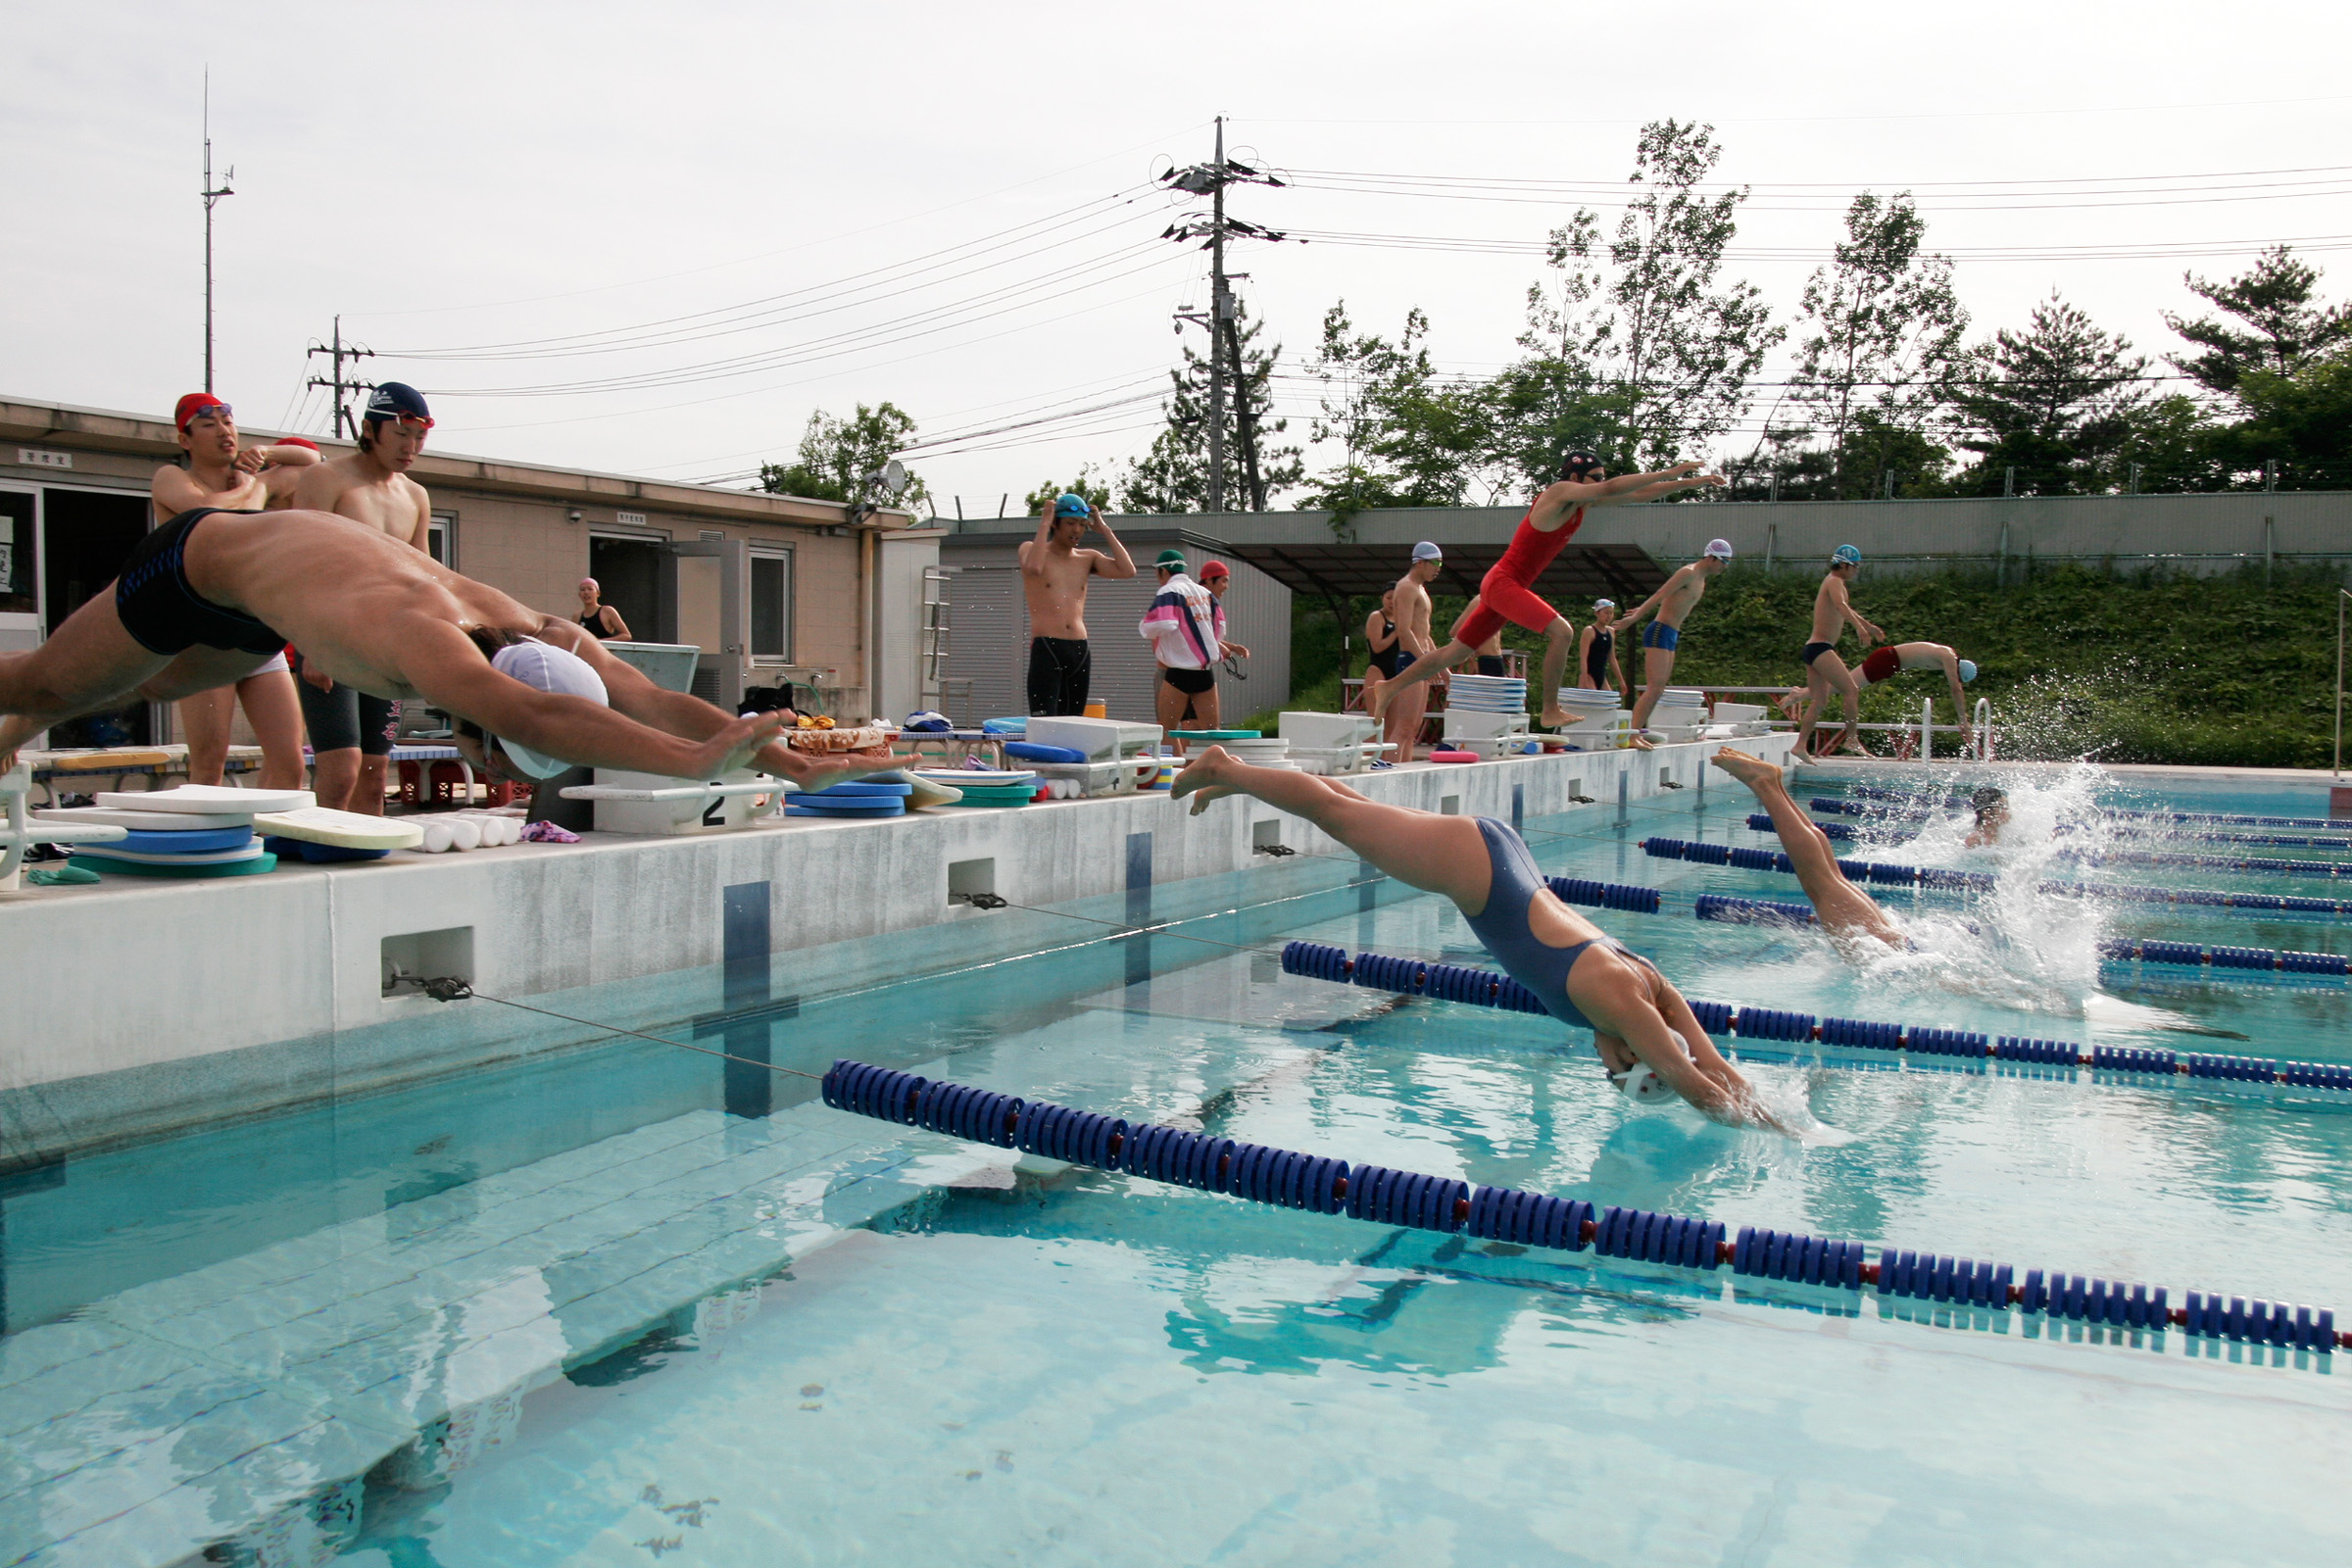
(1646, 1033)
(350, 731)
(1673, 603)
(1507, 592)
(236, 479)
(1054, 574)
(1825, 670)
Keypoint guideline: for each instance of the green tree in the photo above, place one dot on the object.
(1881, 332)
(2301, 422)
(1172, 475)
(1089, 485)
(836, 456)
(2057, 401)
(1656, 325)
(1408, 437)
(2275, 300)
(1554, 400)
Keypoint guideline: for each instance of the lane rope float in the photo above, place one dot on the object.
(1318, 1184)
(1485, 987)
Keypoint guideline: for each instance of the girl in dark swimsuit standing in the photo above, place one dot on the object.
(600, 619)
(1380, 630)
(1599, 657)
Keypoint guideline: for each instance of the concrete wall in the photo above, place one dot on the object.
(2188, 533)
(260, 992)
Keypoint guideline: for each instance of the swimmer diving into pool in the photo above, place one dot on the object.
(1845, 912)
(1644, 1030)
(212, 596)
(1507, 591)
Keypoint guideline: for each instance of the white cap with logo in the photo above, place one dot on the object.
(1720, 549)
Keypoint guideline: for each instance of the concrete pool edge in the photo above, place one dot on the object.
(109, 981)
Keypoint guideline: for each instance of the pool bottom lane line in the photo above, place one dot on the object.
(1287, 1179)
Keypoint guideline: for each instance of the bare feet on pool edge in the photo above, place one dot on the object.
(1203, 778)
(1641, 742)
(1749, 771)
(1554, 718)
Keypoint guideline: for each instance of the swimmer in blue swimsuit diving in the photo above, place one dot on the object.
(1644, 1030)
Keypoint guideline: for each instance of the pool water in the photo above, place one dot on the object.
(992, 1362)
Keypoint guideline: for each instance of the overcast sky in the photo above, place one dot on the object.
(470, 177)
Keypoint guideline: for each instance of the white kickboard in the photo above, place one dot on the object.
(140, 821)
(209, 799)
(348, 830)
(929, 792)
(243, 851)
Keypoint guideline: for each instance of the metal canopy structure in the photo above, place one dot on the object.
(1580, 574)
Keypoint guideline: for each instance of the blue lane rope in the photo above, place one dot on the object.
(1287, 1179)
(1837, 808)
(1913, 798)
(1484, 988)
(1884, 873)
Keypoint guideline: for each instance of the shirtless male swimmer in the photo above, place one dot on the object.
(1054, 574)
(1825, 671)
(221, 473)
(1662, 638)
(211, 595)
(352, 731)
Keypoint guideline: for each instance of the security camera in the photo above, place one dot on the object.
(575, 515)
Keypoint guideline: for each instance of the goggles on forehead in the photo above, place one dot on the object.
(414, 421)
(219, 410)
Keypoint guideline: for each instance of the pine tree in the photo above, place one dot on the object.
(1173, 474)
(2275, 299)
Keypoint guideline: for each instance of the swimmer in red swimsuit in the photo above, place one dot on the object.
(1507, 591)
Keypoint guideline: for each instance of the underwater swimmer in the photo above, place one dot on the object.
(1642, 1027)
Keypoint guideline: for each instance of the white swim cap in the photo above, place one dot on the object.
(1642, 1086)
(548, 668)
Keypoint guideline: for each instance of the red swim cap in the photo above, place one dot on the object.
(192, 405)
(1214, 568)
(295, 441)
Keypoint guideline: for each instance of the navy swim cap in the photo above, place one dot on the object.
(397, 400)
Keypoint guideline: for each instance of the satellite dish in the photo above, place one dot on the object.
(893, 476)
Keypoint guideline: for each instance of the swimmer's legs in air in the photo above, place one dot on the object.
(1844, 909)
(1436, 853)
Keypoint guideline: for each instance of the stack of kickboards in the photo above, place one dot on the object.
(985, 787)
(861, 798)
(206, 830)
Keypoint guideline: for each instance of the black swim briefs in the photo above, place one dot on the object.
(164, 615)
(1194, 681)
(1814, 651)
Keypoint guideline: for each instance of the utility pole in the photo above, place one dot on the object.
(337, 351)
(1220, 311)
(1223, 317)
(212, 197)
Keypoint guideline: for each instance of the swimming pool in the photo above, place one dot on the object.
(952, 1355)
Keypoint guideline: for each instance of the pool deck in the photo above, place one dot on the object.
(274, 984)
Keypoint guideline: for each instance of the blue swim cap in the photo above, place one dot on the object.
(1845, 556)
(1968, 671)
(1072, 506)
(397, 400)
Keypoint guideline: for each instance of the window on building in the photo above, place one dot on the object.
(20, 593)
(771, 604)
(441, 539)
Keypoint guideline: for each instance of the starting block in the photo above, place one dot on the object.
(23, 830)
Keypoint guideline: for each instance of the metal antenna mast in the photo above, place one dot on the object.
(1210, 179)
(212, 197)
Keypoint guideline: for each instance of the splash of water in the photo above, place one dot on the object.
(2015, 944)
